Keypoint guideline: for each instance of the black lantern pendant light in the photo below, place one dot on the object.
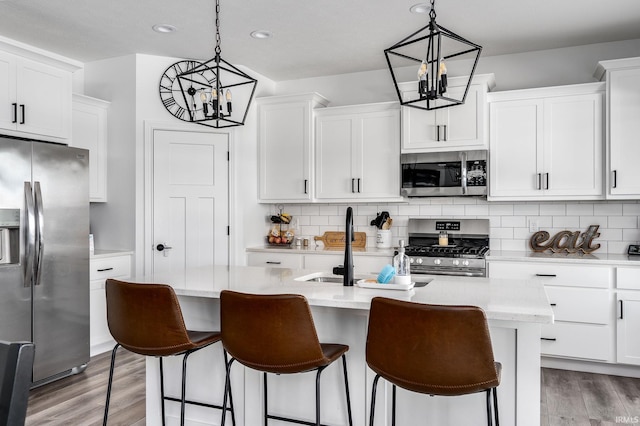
(429, 49)
(217, 93)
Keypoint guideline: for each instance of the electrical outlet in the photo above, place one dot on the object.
(533, 225)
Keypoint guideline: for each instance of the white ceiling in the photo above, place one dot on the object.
(310, 37)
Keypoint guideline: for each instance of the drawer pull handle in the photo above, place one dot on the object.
(548, 339)
(553, 304)
(105, 269)
(546, 275)
(271, 262)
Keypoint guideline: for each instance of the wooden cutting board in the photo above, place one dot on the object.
(336, 239)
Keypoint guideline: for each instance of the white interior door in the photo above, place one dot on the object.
(190, 201)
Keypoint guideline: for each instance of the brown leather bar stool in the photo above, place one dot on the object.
(276, 334)
(431, 349)
(147, 319)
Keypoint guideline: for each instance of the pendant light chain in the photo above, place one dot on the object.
(218, 49)
(432, 13)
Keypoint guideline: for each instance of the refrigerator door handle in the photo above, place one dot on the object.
(39, 243)
(30, 234)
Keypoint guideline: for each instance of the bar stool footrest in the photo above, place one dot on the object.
(290, 420)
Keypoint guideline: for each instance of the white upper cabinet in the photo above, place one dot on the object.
(547, 144)
(623, 126)
(453, 128)
(285, 136)
(89, 131)
(35, 98)
(357, 153)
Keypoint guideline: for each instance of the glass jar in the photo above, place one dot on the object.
(443, 238)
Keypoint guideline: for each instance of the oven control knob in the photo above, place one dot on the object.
(419, 261)
(465, 262)
(456, 262)
(437, 262)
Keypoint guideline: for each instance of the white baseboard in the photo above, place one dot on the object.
(101, 348)
(591, 367)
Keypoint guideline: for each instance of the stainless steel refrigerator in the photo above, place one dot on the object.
(44, 253)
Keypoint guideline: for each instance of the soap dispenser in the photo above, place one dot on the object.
(401, 265)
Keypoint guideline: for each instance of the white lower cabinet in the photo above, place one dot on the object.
(100, 268)
(628, 315)
(582, 303)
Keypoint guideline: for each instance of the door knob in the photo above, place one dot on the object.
(162, 247)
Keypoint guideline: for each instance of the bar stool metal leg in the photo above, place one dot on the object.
(318, 394)
(346, 387)
(495, 405)
(393, 406)
(265, 389)
(162, 398)
(373, 398)
(113, 362)
(227, 392)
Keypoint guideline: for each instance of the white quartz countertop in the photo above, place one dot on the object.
(508, 300)
(592, 258)
(320, 249)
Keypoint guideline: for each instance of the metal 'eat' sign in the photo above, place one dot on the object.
(565, 241)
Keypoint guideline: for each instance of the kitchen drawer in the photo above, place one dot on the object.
(628, 278)
(110, 267)
(586, 341)
(556, 274)
(586, 305)
(278, 260)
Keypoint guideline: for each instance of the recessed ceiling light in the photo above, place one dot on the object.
(164, 28)
(261, 34)
(420, 8)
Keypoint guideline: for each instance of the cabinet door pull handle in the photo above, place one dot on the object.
(446, 136)
(353, 181)
(438, 133)
(272, 262)
(546, 275)
(24, 117)
(621, 309)
(539, 181)
(306, 182)
(15, 112)
(358, 185)
(546, 179)
(105, 269)
(615, 178)
(548, 339)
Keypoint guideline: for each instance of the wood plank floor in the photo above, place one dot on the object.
(573, 398)
(79, 400)
(568, 398)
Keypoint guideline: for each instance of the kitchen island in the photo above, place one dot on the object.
(515, 309)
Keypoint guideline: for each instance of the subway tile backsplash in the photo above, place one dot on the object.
(510, 222)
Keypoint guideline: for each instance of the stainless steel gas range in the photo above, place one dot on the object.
(448, 246)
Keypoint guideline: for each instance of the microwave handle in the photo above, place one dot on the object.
(463, 172)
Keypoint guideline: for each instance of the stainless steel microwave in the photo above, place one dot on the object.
(441, 174)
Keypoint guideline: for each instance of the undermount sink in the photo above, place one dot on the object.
(326, 279)
(321, 277)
